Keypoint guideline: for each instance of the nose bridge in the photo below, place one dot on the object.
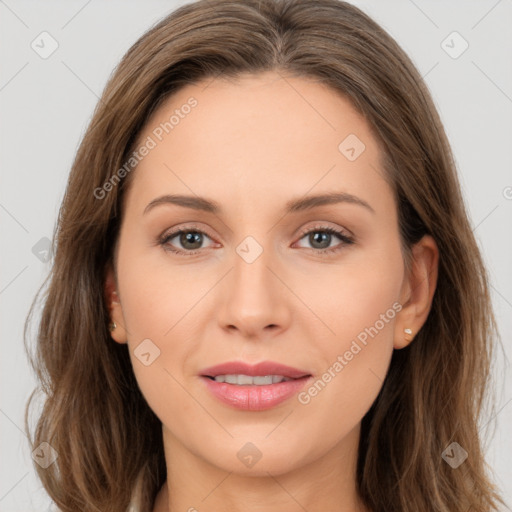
(254, 297)
(251, 276)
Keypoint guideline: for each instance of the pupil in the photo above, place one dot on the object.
(322, 235)
(189, 238)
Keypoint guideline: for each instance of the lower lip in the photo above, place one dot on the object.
(252, 397)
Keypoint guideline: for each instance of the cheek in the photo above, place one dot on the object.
(157, 293)
(160, 308)
(354, 367)
(360, 295)
(360, 310)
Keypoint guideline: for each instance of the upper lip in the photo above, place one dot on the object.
(263, 368)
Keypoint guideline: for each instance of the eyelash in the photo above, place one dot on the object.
(346, 240)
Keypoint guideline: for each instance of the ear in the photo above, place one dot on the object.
(112, 299)
(417, 291)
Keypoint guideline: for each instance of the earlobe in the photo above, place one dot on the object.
(116, 325)
(417, 291)
(403, 338)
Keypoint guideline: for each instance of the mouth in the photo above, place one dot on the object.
(248, 380)
(254, 388)
(260, 370)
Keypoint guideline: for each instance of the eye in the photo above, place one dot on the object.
(320, 237)
(190, 240)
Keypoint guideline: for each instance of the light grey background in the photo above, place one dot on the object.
(46, 105)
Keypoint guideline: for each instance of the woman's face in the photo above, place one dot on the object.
(262, 278)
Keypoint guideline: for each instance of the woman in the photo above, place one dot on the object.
(325, 342)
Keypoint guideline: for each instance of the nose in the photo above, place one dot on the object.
(255, 303)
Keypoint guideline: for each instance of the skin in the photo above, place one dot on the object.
(252, 144)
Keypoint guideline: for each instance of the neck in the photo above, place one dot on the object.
(326, 483)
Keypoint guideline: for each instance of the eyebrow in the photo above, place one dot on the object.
(292, 206)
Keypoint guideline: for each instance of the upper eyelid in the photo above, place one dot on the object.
(324, 226)
(194, 227)
(173, 232)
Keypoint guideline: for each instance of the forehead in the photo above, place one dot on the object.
(257, 136)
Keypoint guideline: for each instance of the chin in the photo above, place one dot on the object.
(249, 460)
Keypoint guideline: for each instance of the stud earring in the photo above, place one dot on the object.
(112, 326)
(408, 331)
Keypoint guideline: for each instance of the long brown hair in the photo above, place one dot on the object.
(94, 415)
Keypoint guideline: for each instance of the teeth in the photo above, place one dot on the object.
(258, 380)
